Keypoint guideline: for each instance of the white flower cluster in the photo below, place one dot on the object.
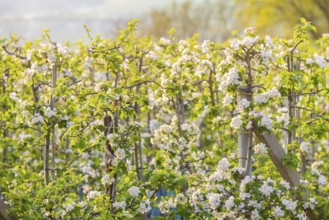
(151, 55)
(88, 62)
(145, 206)
(289, 204)
(322, 181)
(180, 198)
(164, 41)
(37, 118)
(228, 99)
(266, 55)
(134, 191)
(306, 148)
(260, 148)
(266, 189)
(151, 97)
(245, 42)
(69, 207)
(230, 78)
(285, 184)
(89, 170)
(112, 138)
(166, 205)
(93, 194)
(266, 122)
(203, 68)
(264, 97)
(311, 204)
(120, 205)
(107, 180)
(119, 154)
(229, 204)
(154, 124)
(223, 165)
(165, 137)
(243, 103)
(63, 50)
(49, 112)
(214, 200)
(191, 129)
(283, 118)
(319, 60)
(51, 58)
(205, 111)
(236, 122)
(13, 96)
(278, 212)
(249, 41)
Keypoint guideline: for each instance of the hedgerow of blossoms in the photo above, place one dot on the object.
(96, 130)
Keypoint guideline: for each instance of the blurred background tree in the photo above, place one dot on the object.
(217, 19)
(278, 17)
(212, 20)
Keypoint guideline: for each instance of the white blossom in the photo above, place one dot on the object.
(93, 194)
(164, 41)
(260, 148)
(285, 184)
(266, 190)
(134, 191)
(319, 60)
(301, 216)
(214, 200)
(230, 78)
(311, 204)
(236, 122)
(145, 206)
(37, 118)
(245, 196)
(151, 55)
(13, 96)
(306, 148)
(266, 122)
(249, 41)
(51, 57)
(166, 206)
(244, 103)
(223, 165)
(322, 180)
(260, 98)
(180, 198)
(119, 154)
(49, 112)
(120, 205)
(290, 205)
(278, 212)
(107, 180)
(69, 207)
(229, 204)
(227, 99)
(309, 61)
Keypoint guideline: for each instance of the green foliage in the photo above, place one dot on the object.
(95, 130)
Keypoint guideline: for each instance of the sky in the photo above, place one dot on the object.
(65, 18)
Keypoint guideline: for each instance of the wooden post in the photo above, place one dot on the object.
(52, 106)
(245, 135)
(276, 152)
(109, 152)
(5, 132)
(5, 212)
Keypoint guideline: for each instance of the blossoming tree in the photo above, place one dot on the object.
(131, 128)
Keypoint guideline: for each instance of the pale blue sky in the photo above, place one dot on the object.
(65, 17)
